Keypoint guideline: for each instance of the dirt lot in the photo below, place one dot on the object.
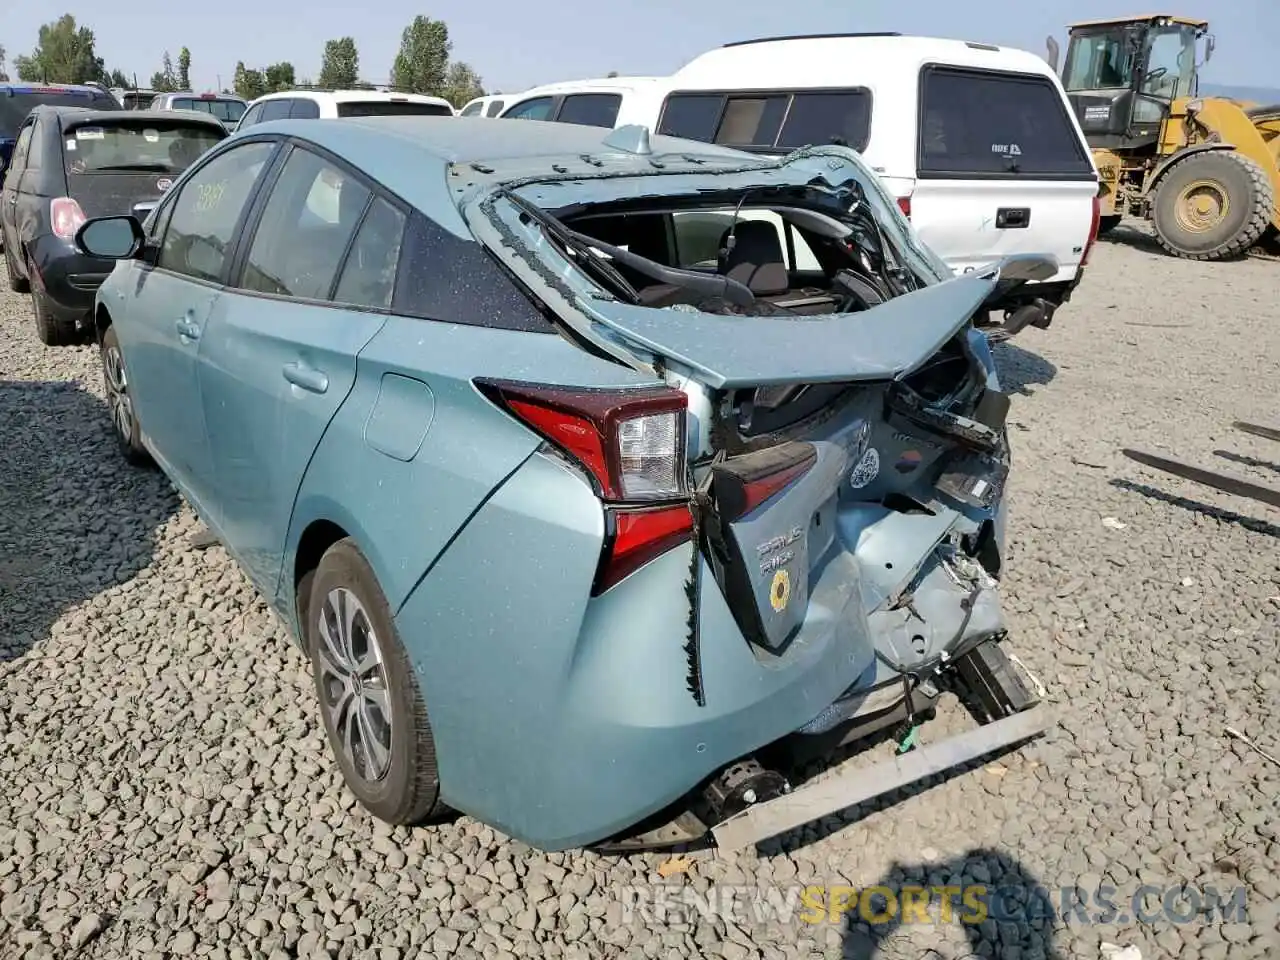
(165, 788)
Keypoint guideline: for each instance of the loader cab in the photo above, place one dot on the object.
(1122, 76)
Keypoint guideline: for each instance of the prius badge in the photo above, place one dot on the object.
(163, 184)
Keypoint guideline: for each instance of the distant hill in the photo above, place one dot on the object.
(1258, 94)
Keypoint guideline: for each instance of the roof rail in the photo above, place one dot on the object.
(810, 36)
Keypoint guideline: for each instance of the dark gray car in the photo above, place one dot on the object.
(70, 164)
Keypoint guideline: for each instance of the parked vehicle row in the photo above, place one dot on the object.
(333, 104)
(978, 143)
(533, 422)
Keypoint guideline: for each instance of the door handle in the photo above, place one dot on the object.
(308, 378)
(1013, 218)
(187, 329)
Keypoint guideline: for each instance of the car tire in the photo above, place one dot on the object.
(1212, 205)
(350, 633)
(52, 330)
(124, 415)
(16, 283)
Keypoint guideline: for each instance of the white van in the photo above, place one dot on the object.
(595, 103)
(487, 106)
(978, 143)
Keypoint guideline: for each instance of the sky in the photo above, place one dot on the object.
(515, 44)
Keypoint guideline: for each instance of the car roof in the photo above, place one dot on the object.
(346, 96)
(841, 60)
(601, 84)
(397, 150)
(87, 115)
(22, 86)
(201, 96)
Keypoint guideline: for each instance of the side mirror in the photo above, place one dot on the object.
(1209, 44)
(111, 238)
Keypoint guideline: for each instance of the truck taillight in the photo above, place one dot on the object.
(631, 444)
(904, 204)
(1093, 231)
(66, 216)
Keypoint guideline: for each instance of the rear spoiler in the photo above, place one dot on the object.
(886, 342)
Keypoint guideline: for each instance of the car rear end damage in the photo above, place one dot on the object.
(801, 522)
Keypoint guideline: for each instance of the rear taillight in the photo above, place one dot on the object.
(631, 444)
(904, 204)
(745, 482)
(1093, 230)
(66, 217)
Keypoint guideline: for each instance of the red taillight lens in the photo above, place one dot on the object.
(1093, 231)
(66, 216)
(904, 204)
(631, 443)
(640, 536)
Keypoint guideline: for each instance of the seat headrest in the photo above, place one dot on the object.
(756, 258)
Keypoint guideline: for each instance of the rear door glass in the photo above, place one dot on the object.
(992, 124)
(131, 146)
(539, 108)
(392, 108)
(495, 108)
(590, 109)
(770, 120)
(277, 109)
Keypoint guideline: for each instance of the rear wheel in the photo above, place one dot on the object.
(372, 710)
(124, 416)
(1212, 205)
(16, 283)
(52, 330)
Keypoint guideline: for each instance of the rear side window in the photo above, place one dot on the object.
(133, 146)
(996, 125)
(392, 108)
(308, 220)
(304, 109)
(770, 120)
(539, 108)
(495, 108)
(471, 109)
(369, 276)
(590, 109)
(276, 109)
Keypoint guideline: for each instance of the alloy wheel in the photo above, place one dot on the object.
(118, 398)
(353, 683)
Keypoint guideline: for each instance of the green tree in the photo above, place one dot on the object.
(340, 67)
(461, 84)
(4, 75)
(165, 80)
(64, 53)
(422, 64)
(116, 78)
(248, 84)
(184, 69)
(279, 76)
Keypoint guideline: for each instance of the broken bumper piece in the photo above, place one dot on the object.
(853, 784)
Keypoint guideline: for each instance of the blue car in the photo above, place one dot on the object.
(597, 474)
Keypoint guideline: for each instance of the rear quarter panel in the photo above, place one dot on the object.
(415, 450)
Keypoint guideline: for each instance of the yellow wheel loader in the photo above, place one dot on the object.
(1204, 170)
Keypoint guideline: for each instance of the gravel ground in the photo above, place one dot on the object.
(165, 787)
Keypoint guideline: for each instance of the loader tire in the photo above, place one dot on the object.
(1212, 206)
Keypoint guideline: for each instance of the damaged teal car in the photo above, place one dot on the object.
(599, 475)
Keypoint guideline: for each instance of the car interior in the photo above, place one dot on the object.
(788, 260)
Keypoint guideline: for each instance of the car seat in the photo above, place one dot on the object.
(756, 258)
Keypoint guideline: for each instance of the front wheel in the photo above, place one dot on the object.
(1212, 205)
(370, 704)
(124, 415)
